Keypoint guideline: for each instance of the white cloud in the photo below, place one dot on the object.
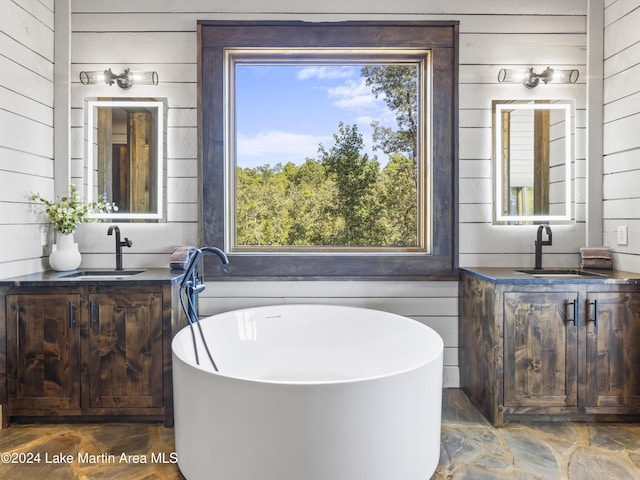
(355, 95)
(324, 72)
(280, 146)
(352, 93)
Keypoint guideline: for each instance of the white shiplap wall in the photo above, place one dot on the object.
(26, 128)
(161, 35)
(621, 139)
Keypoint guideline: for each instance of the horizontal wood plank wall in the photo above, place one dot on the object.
(621, 142)
(26, 136)
(161, 35)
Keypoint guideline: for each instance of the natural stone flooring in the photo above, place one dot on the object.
(471, 449)
(80, 448)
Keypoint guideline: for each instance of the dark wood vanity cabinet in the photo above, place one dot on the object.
(550, 349)
(612, 348)
(91, 350)
(43, 353)
(540, 349)
(123, 352)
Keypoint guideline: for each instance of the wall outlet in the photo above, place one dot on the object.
(622, 238)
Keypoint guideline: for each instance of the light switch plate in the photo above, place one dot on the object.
(622, 235)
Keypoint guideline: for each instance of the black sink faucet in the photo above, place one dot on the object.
(540, 243)
(119, 245)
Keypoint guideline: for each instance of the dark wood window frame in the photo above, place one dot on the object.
(441, 38)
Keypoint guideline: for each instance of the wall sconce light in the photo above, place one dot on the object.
(125, 80)
(530, 79)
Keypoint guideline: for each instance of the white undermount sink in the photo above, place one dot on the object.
(102, 274)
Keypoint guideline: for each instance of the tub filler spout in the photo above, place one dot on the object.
(190, 287)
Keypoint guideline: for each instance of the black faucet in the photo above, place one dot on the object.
(119, 245)
(540, 243)
(192, 287)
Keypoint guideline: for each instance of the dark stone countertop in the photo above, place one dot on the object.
(147, 276)
(512, 275)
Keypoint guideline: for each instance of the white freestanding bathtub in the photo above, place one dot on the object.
(308, 392)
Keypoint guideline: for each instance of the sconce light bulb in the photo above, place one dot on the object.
(92, 78)
(512, 75)
(144, 78)
(566, 76)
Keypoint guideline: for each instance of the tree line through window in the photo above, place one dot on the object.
(360, 189)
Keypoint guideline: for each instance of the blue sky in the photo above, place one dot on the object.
(283, 112)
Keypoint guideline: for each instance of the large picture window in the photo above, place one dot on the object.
(324, 152)
(328, 150)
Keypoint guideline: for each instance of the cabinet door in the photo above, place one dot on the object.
(43, 362)
(613, 352)
(125, 350)
(540, 349)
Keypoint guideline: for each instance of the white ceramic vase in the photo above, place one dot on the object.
(64, 254)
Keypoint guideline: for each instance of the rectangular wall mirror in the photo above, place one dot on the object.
(533, 156)
(125, 141)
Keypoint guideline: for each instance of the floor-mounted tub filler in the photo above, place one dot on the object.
(308, 392)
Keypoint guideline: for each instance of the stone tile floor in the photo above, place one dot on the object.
(83, 452)
(471, 449)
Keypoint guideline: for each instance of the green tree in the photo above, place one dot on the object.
(262, 206)
(355, 178)
(399, 199)
(397, 85)
(311, 194)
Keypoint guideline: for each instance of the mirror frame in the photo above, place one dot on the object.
(498, 107)
(90, 109)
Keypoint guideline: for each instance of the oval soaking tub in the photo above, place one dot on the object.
(308, 392)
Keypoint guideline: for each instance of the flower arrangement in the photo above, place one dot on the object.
(70, 211)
